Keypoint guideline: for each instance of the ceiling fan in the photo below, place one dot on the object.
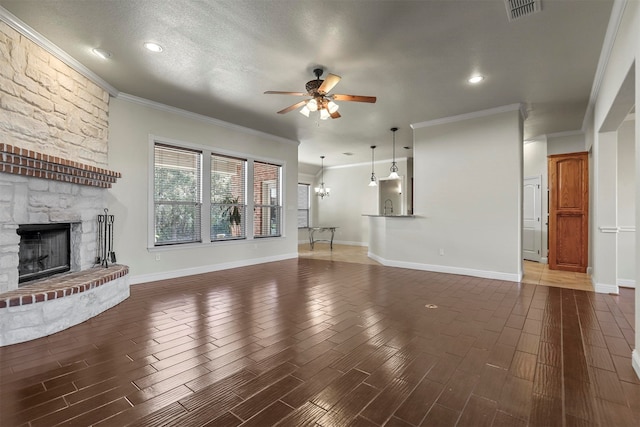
(321, 100)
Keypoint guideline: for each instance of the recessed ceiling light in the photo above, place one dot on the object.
(153, 47)
(104, 54)
(476, 79)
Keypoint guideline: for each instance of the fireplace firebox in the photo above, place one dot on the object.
(45, 250)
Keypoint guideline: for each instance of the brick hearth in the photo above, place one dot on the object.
(50, 305)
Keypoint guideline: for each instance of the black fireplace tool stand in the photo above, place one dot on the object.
(104, 244)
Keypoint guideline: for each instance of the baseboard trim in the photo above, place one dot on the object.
(544, 260)
(485, 274)
(349, 243)
(604, 288)
(627, 283)
(337, 242)
(635, 361)
(173, 274)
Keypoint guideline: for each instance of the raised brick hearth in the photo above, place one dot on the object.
(50, 305)
(43, 189)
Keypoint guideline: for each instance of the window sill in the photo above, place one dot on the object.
(213, 243)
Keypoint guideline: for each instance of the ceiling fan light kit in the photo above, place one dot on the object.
(321, 100)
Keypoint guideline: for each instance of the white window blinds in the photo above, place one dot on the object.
(267, 212)
(303, 205)
(228, 197)
(177, 195)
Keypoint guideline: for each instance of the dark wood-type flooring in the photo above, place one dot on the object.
(312, 342)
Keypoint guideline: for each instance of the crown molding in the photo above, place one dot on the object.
(474, 115)
(615, 19)
(566, 133)
(200, 117)
(28, 32)
(539, 138)
(377, 162)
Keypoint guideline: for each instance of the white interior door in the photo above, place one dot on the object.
(532, 219)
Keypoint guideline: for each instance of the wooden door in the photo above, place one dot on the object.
(568, 211)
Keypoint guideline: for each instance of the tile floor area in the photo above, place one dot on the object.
(534, 273)
(344, 253)
(321, 343)
(540, 274)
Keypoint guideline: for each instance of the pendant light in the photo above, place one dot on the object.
(322, 191)
(394, 166)
(373, 182)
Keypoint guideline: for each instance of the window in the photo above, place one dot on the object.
(266, 200)
(177, 195)
(197, 196)
(228, 200)
(303, 205)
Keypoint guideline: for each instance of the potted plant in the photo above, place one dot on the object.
(232, 212)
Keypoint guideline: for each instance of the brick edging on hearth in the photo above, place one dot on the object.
(62, 286)
(20, 161)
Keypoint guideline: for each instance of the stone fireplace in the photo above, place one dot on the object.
(48, 226)
(54, 123)
(47, 190)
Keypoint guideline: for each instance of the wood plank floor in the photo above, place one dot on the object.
(331, 343)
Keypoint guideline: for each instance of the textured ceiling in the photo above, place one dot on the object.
(414, 56)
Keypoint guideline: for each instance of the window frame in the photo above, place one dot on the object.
(197, 203)
(277, 206)
(308, 208)
(239, 208)
(205, 188)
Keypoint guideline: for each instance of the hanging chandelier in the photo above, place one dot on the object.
(394, 166)
(322, 191)
(373, 182)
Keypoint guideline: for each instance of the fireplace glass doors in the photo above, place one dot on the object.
(44, 250)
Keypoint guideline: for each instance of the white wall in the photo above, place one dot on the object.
(131, 123)
(626, 204)
(562, 144)
(618, 76)
(350, 199)
(535, 164)
(468, 198)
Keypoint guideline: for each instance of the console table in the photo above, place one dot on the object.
(312, 239)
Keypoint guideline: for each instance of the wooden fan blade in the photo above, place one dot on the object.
(354, 98)
(276, 92)
(329, 83)
(292, 107)
(335, 115)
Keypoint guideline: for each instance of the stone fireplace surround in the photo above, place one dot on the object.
(38, 189)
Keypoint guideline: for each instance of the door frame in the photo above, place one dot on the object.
(537, 181)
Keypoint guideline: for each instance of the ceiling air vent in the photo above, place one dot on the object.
(518, 8)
